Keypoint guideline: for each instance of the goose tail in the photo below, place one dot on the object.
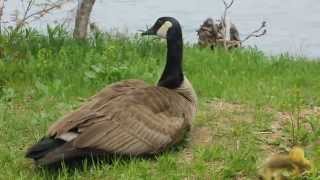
(42, 148)
(50, 151)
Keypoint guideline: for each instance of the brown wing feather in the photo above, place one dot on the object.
(129, 118)
(145, 121)
(88, 110)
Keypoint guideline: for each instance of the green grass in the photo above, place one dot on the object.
(44, 76)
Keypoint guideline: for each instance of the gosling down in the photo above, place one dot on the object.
(128, 117)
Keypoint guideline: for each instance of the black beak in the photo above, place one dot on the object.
(149, 32)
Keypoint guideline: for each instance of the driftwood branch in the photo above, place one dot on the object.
(21, 22)
(226, 24)
(223, 32)
(226, 7)
(44, 11)
(258, 32)
(28, 15)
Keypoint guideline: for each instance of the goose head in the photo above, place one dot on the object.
(165, 27)
(169, 28)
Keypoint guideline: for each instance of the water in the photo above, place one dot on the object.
(293, 25)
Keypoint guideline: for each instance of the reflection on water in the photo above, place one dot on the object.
(292, 24)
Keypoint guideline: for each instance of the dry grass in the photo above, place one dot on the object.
(217, 126)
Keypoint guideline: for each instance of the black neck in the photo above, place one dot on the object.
(172, 76)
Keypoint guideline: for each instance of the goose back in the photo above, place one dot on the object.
(129, 117)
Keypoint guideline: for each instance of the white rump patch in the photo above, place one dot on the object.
(162, 31)
(69, 136)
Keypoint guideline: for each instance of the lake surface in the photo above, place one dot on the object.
(293, 25)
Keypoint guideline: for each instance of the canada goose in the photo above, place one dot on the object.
(127, 117)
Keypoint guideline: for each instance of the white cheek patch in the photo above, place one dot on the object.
(162, 31)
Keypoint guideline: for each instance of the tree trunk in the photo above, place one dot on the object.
(82, 19)
(1, 13)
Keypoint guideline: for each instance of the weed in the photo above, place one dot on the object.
(43, 77)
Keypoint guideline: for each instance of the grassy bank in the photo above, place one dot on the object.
(242, 93)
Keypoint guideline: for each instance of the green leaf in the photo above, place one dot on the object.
(90, 74)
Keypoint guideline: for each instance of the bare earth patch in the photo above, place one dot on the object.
(201, 136)
(214, 123)
(227, 124)
(281, 121)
